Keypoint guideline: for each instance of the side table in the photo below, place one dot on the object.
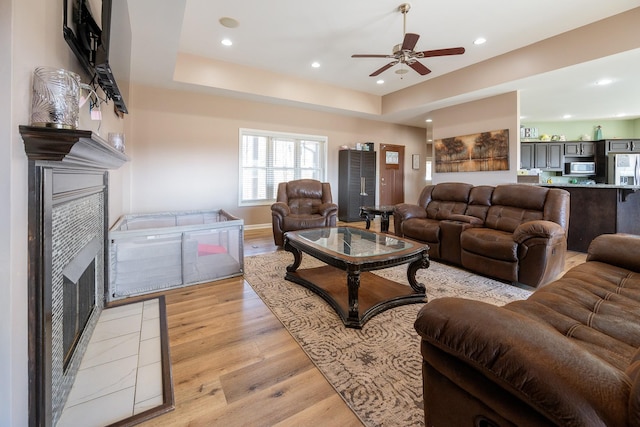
(369, 213)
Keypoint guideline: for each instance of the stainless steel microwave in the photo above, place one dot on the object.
(581, 168)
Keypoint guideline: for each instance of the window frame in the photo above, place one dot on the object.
(322, 140)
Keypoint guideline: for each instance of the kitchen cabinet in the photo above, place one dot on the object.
(526, 156)
(356, 183)
(544, 155)
(623, 145)
(549, 156)
(579, 149)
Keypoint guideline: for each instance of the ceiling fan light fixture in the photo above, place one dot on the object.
(402, 71)
(404, 53)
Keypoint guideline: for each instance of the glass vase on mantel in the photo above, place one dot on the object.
(598, 135)
(55, 98)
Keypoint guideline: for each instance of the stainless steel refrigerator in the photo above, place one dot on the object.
(624, 169)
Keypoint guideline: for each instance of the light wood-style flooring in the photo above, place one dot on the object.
(234, 364)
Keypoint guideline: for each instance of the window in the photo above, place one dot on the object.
(429, 165)
(269, 158)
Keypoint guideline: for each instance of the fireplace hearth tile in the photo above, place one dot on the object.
(109, 350)
(123, 386)
(150, 329)
(117, 327)
(99, 381)
(149, 352)
(99, 412)
(150, 382)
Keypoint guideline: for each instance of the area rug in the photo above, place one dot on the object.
(378, 369)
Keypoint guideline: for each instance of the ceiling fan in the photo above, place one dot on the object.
(404, 53)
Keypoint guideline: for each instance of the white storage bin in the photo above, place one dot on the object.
(153, 252)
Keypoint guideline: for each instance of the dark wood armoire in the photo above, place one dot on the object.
(356, 183)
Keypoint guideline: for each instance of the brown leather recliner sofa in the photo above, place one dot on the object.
(569, 355)
(512, 232)
(301, 204)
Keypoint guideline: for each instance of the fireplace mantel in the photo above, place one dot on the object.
(82, 148)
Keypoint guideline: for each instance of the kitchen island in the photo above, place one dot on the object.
(600, 209)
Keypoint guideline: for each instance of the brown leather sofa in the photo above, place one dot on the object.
(569, 355)
(511, 232)
(301, 204)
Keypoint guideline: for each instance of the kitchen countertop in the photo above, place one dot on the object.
(621, 187)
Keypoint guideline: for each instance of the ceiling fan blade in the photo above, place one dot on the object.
(385, 68)
(371, 56)
(419, 67)
(441, 52)
(410, 41)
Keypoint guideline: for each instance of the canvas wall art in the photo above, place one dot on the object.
(485, 151)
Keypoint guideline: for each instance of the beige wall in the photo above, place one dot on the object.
(184, 148)
(30, 36)
(495, 113)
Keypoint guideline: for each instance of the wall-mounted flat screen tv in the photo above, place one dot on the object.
(99, 34)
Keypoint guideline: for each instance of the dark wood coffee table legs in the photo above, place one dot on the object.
(364, 294)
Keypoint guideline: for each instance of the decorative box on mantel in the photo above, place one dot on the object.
(68, 257)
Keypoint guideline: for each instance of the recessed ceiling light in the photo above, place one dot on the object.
(429, 140)
(566, 116)
(228, 22)
(620, 115)
(480, 40)
(226, 42)
(380, 82)
(428, 120)
(315, 64)
(604, 82)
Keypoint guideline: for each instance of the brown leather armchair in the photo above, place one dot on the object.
(301, 204)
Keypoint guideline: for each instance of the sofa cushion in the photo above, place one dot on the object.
(299, 222)
(490, 243)
(633, 371)
(448, 199)
(479, 201)
(424, 229)
(511, 205)
(508, 218)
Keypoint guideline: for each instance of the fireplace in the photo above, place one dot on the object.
(78, 297)
(68, 257)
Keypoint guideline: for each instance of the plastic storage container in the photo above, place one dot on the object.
(152, 252)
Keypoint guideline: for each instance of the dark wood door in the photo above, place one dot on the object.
(391, 174)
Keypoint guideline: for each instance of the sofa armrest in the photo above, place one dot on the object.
(619, 249)
(407, 210)
(466, 219)
(326, 209)
(280, 208)
(528, 359)
(539, 228)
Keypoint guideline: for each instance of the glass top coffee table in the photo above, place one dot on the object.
(346, 282)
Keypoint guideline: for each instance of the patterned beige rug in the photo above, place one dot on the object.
(377, 370)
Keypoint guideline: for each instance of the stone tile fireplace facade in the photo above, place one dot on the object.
(68, 257)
